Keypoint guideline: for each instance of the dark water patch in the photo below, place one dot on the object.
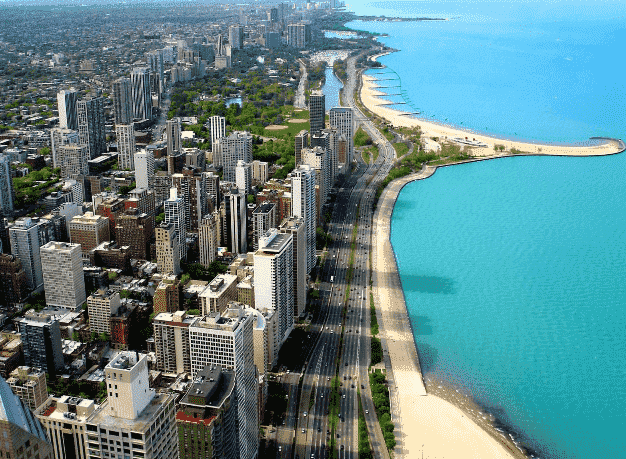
(428, 284)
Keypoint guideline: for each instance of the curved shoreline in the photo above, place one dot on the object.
(373, 100)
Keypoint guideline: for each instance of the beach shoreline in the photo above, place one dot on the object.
(374, 101)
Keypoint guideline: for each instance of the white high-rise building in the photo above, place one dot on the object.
(7, 195)
(238, 221)
(140, 93)
(273, 278)
(298, 35)
(304, 206)
(144, 169)
(64, 282)
(128, 383)
(243, 177)
(101, 305)
(263, 219)
(58, 138)
(235, 36)
(172, 131)
(66, 103)
(218, 130)
(317, 158)
(207, 238)
(126, 147)
(227, 340)
(236, 147)
(295, 226)
(26, 239)
(341, 118)
(260, 171)
(174, 208)
(122, 101)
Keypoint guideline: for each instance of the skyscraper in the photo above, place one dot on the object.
(298, 35)
(155, 64)
(26, 239)
(295, 226)
(243, 177)
(66, 103)
(238, 221)
(207, 238)
(144, 169)
(91, 129)
(89, 231)
(191, 187)
(168, 253)
(122, 101)
(7, 195)
(101, 305)
(140, 93)
(63, 278)
(172, 130)
(171, 341)
(273, 278)
(302, 141)
(317, 111)
(341, 118)
(236, 147)
(23, 435)
(218, 130)
(317, 158)
(73, 159)
(125, 134)
(175, 213)
(41, 340)
(235, 36)
(227, 340)
(12, 279)
(304, 207)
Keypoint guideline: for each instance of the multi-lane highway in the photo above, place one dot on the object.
(341, 326)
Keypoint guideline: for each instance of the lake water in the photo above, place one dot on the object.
(514, 270)
(331, 89)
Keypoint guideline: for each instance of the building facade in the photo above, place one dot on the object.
(63, 278)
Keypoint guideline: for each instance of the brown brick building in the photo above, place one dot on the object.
(13, 286)
(135, 230)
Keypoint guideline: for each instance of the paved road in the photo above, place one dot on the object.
(353, 206)
(300, 99)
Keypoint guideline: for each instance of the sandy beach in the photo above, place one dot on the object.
(371, 99)
(438, 422)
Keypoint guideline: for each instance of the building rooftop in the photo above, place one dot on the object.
(218, 285)
(142, 423)
(273, 241)
(211, 387)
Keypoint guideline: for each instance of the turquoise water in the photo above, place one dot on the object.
(331, 89)
(514, 272)
(551, 72)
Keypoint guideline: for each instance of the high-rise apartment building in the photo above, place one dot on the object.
(236, 147)
(259, 172)
(218, 130)
(58, 138)
(171, 341)
(317, 111)
(175, 213)
(191, 186)
(22, 434)
(125, 134)
(122, 101)
(134, 422)
(238, 221)
(298, 35)
(263, 219)
(144, 169)
(101, 305)
(172, 131)
(235, 36)
(29, 384)
(226, 339)
(140, 93)
(63, 277)
(7, 194)
(317, 158)
(302, 141)
(26, 238)
(110, 206)
(73, 160)
(207, 238)
(91, 129)
(155, 64)
(89, 231)
(304, 207)
(168, 253)
(13, 288)
(273, 276)
(243, 177)
(41, 342)
(341, 118)
(213, 189)
(135, 229)
(296, 227)
(266, 338)
(220, 291)
(207, 417)
(66, 103)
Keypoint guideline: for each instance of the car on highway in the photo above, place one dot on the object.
(305, 413)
